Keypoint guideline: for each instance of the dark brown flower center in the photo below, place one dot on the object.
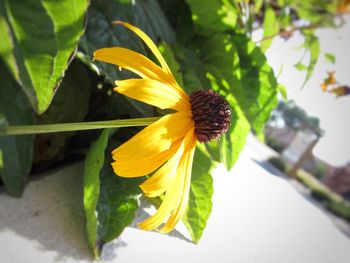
(211, 114)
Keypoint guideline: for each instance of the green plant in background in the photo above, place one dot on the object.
(48, 76)
(278, 163)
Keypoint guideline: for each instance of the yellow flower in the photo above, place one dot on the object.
(166, 147)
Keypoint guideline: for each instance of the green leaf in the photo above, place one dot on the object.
(283, 91)
(117, 204)
(271, 27)
(6, 47)
(16, 151)
(312, 46)
(110, 201)
(73, 96)
(192, 70)
(213, 15)
(150, 17)
(330, 57)
(179, 15)
(258, 5)
(93, 164)
(201, 191)
(45, 35)
(230, 145)
(257, 95)
(232, 142)
(238, 70)
(300, 66)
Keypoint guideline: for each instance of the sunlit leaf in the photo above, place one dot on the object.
(312, 46)
(213, 15)
(201, 191)
(283, 91)
(6, 46)
(242, 70)
(45, 34)
(110, 201)
(230, 145)
(271, 28)
(330, 57)
(300, 66)
(93, 164)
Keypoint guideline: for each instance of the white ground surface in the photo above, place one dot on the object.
(257, 217)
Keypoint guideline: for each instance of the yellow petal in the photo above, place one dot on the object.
(150, 44)
(166, 207)
(137, 63)
(152, 141)
(143, 166)
(160, 180)
(131, 60)
(175, 191)
(181, 205)
(155, 93)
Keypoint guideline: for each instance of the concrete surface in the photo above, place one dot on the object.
(258, 216)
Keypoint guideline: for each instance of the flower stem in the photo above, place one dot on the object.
(77, 126)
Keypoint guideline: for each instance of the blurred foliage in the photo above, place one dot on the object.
(274, 144)
(331, 200)
(208, 44)
(278, 163)
(320, 170)
(295, 117)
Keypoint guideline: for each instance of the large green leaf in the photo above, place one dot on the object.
(110, 201)
(257, 94)
(216, 15)
(72, 97)
(93, 164)
(242, 69)
(17, 151)
(201, 191)
(230, 145)
(150, 17)
(238, 70)
(192, 70)
(118, 203)
(45, 34)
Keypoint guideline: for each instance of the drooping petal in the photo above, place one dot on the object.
(137, 63)
(131, 60)
(148, 41)
(143, 166)
(155, 93)
(154, 143)
(158, 183)
(181, 205)
(177, 185)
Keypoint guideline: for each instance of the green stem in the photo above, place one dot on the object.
(77, 126)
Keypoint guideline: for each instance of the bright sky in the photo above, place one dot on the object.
(334, 114)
